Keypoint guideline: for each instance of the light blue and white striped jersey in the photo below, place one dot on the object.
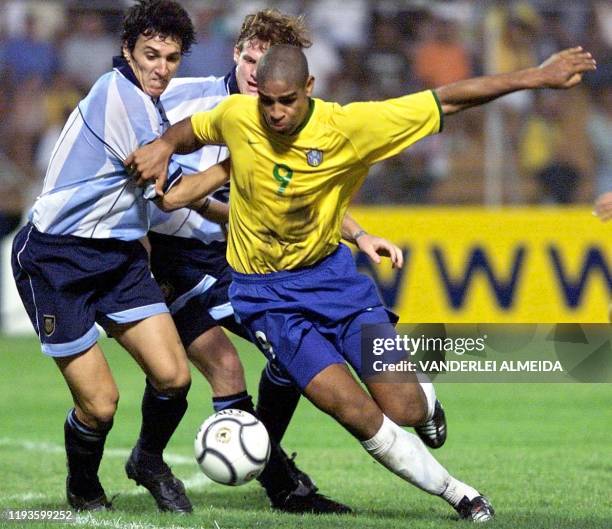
(87, 191)
(182, 98)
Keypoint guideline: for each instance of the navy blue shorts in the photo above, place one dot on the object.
(68, 283)
(310, 318)
(194, 278)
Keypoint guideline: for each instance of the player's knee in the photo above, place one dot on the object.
(100, 411)
(172, 381)
(410, 413)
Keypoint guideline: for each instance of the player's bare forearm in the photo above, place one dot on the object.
(350, 227)
(195, 187)
(213, 210)
(182, 138)
(374, 247)
(561, 70)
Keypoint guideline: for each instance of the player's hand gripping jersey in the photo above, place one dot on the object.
(289, 194)
(182, 98)
(87, 192)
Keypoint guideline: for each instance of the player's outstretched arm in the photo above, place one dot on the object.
(193, 188)
(374, 247)
(603, 206)
(150, 162)
(561, 70)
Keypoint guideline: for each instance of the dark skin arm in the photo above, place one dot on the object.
(561, 71)
(372, 245)
(193, 189)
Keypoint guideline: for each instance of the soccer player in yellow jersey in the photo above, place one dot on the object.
(295, 163)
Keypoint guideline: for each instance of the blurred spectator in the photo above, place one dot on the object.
(28, 56)
(409, 177)
(519, 30)
(516, 27)
(362, 50)
(554, 35)
(61, 97)
(349, 81)
(441, 58)
(212, 54)
(344, 22)
(386, 63)
(559, 183)
(12, 185)
(26, 124)
(87, 52)
(599, 129)
(599, 42)
(542, 152)
(324, 63)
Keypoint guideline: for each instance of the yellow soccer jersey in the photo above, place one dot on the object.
(289, 194)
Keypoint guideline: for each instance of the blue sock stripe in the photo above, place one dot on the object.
(165, 396)
(223, 403)
(82, 430)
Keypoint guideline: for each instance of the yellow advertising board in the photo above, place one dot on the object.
(494, 265)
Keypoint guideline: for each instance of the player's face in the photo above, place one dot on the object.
(284, 106)
(246, 64)
(154, 61)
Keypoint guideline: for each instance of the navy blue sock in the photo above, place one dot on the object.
(239, 401)
(84, 449)
(161, 414)
(277, 401)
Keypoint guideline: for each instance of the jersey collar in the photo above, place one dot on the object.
(302, 126)
(231, 83)
(122, 66)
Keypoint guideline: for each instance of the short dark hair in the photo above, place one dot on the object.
(273, 27)
(158, 17)
(283, 62)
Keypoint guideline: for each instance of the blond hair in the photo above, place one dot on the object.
(273, 27)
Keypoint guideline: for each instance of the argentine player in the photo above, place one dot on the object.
(294, 285)
(79, 261)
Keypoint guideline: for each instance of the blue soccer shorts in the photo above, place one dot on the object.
(67, 284)
(310, 318)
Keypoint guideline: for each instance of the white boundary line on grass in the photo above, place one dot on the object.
(88, 520)
(197, 481)
(34, 446)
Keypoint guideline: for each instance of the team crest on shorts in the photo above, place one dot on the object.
(314, 157)
(48, 324)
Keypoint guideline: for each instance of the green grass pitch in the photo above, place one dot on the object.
(541, 452)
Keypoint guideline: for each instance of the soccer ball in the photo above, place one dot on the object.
(232, 447)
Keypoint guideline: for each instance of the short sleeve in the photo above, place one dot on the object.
(207, 126)
(381, 129)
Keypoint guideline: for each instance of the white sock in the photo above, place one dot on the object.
(405, 455)
(456, 490)
(430, 393)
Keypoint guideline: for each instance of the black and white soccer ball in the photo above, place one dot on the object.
(232, 447)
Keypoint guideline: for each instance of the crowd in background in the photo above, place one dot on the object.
(556, 146)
